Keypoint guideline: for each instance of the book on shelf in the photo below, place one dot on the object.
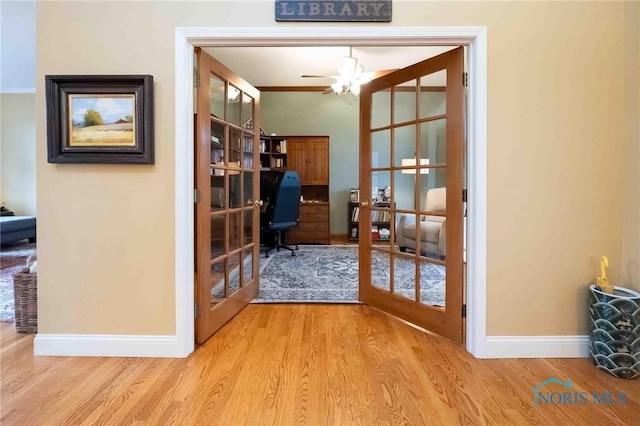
(375, 232)
(377, 216)
(380, 216)
(248, 145)
(355, 214)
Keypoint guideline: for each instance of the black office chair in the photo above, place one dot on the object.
(283, 208)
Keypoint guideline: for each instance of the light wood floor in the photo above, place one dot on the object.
(301, 364)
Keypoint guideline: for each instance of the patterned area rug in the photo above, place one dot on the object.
(320, 274)
(13, 257)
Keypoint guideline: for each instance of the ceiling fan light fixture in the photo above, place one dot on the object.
(350, 68)
(350, 78)
(359, 71)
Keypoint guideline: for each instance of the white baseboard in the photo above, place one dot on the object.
(107, 345)
(536, 347)
(169, 347)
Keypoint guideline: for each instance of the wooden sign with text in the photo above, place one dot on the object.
(333, 10)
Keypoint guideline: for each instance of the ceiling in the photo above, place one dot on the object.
(283, 66)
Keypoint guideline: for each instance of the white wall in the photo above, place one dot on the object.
(17, 46)
(18, 152)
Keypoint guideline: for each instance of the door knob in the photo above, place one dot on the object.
(258, 203)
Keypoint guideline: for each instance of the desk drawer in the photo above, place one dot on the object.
(295, 236)
(313, 226)
(314, 208)
(314, 217)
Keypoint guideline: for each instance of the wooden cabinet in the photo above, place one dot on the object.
(309, 156)
(314, 224)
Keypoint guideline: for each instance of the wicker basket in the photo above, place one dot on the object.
(25, 294)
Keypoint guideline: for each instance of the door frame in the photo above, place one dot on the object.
(474, 38)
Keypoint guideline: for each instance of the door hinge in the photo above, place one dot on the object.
(465, 79)
(464, 311)
(464, 195)
(196, 78)
(196, 311)
(196, 196)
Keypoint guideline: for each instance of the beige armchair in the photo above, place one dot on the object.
(431, 231)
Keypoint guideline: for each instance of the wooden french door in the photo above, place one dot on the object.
(411, 144)
(227, 188)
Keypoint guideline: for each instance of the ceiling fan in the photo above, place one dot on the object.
(350, 76)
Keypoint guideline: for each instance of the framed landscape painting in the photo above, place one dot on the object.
(100, 119)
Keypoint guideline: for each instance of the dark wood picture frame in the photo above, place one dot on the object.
(131, 96)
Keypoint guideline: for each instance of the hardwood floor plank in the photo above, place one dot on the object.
(302, 365)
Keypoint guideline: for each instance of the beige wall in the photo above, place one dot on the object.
(557, 132)
(18, 152)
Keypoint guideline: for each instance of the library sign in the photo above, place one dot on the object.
(333, 10)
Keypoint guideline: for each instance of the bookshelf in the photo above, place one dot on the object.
(273, 153)
(380, 221)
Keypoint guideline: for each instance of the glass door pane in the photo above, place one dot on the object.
(218, 235)
(248, 104)
(235, 142)
(235, 268)
(381, 148)
(404, 276)
(235, 105)
(247, 151)
(432, 279)
(404, 102)
(433, 141)
(218, 281)
(217, 143)
(247, 266)
(380, 109)
(381, 269)
(404, 145)
(216, 96)
(433, 94)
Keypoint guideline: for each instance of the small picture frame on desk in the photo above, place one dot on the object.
(354, 195)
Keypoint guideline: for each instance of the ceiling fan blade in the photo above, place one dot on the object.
(317, 76)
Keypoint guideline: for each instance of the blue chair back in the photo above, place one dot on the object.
(286, 206)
